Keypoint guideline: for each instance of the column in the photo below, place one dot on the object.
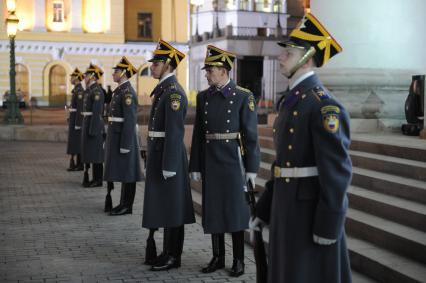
(40, 15)
(76, 18)
(250, 5)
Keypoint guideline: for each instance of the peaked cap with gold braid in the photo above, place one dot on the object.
(166, 52)
(77, 73)
(95, 71)
(219, 58)
(125, 65)
(310, 32)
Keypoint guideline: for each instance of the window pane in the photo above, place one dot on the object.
(145, 25)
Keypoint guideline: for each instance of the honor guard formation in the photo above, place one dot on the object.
(305, 201)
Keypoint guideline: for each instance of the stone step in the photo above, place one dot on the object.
(383, 265)
(266, 142)
(392, 208)
(366, 259)
(411, 148)
(386, 234)
(388, 184)
(391, 165)
(406, 212)
(396, 146)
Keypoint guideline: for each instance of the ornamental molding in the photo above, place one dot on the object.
(60, 49)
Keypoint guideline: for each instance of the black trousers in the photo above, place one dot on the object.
(173, 241)
(218, 245)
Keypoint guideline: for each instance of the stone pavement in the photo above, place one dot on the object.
(53, 230)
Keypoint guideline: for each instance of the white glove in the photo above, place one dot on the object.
(123, 150)
(77, 128)
(168, 174)
(323, 241)
(255, 224)
(252, 178)
(196, 176)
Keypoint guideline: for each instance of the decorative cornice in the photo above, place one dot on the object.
(60, 49)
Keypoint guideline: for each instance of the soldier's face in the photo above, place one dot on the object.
(116, 75)
(288, 59)
(215, 75)
(87, 79)
(157, 69)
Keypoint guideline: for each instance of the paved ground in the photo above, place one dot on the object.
(53, 230)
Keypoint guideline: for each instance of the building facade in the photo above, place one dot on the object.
(250, 29)
(55, 36)
(381, 50)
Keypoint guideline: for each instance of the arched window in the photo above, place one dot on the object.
(57, 86)
(22, 82)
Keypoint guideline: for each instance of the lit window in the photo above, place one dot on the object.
(145, 25)
(58, 12)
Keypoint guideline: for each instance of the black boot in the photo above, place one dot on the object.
(122, 197)
(108, 199)
(72, 164)
(79, 166)
(97, 175)
(174, 244)
(86, 182)
(129, 196)
(238, 252)
(218, 260)
(151, 249)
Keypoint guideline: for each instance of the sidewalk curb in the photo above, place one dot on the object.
(33, 133)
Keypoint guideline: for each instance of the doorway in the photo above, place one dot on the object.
(57, 86)
(250, 73)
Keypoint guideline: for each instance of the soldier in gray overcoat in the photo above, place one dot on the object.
(121, 147)
(225, 154)
(306, 201)
(74, 122)
(93, 126)
(168, 200)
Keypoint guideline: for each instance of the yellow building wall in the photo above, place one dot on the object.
(174, 26)
(169, 18)
(114, 32)
(132, 8)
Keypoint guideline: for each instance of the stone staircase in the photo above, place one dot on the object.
(386, 221)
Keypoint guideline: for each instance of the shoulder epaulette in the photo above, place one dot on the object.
(320, 93)
(243, 89)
